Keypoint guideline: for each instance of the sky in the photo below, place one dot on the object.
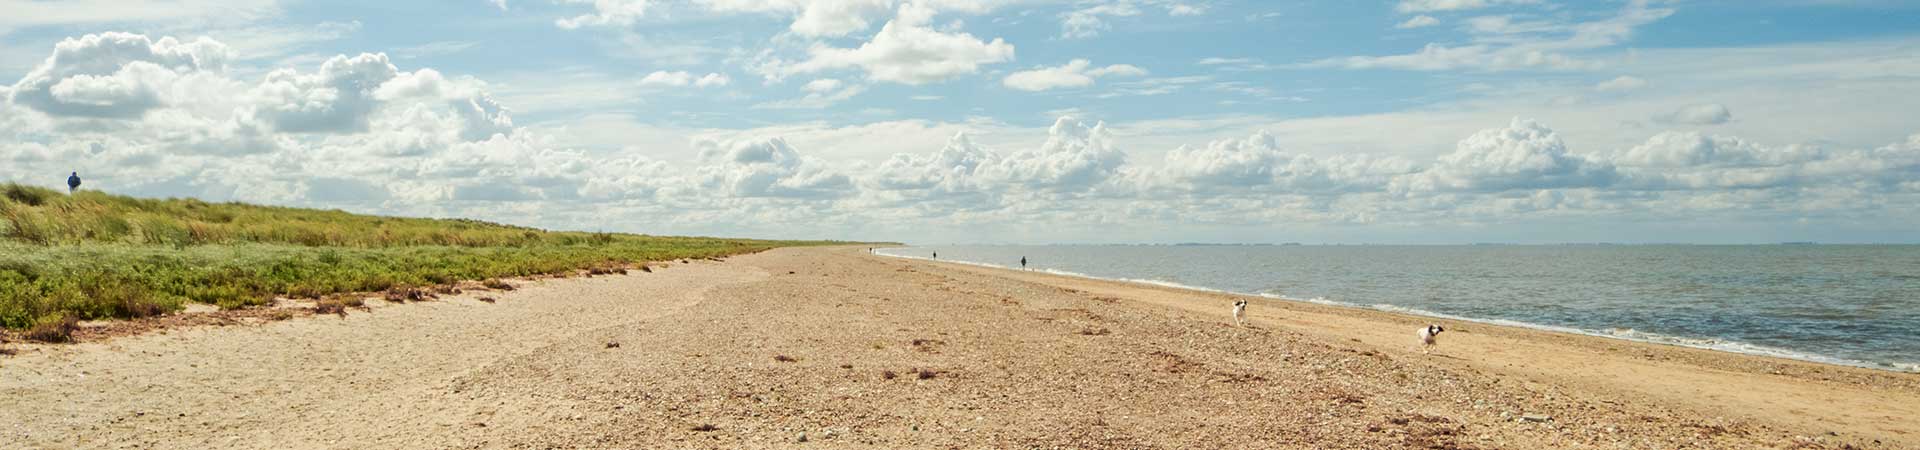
(997, 121)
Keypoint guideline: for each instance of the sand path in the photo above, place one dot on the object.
(833, 347)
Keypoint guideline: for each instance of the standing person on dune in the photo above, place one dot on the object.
(1023, 263)
(73, 183)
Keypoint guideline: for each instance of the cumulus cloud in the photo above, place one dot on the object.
(766, 168)
(1701, 114)
(954, 179)
(117, 74)
(1692, 161)
(907, 50)
(362, 132)
(1258, 163)
(163, 114)
(1076, 73)
(1524, 155)
(1074, 157)
(1677, 149)
(956, 167)
(337, 98)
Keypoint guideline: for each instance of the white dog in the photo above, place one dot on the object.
(1428, 336)
(1239, 312)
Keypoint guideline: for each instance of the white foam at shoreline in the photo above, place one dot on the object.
(1627, 334)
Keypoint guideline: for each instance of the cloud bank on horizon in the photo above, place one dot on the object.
(1417, 121)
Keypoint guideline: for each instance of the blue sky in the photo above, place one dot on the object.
(1394, 121)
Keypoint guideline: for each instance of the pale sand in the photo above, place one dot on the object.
(1015, 359)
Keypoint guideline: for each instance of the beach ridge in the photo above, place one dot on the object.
(850, 349)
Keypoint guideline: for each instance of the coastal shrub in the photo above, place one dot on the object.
(54, 328)
(27, 195)
(95, 255)
(330, 307)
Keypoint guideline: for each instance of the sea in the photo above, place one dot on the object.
(1855, 305)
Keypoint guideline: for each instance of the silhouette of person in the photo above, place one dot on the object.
(1023, 263)
(936, 255)
(73, 183)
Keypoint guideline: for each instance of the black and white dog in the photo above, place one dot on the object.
(1239, 312)
(1428, 336)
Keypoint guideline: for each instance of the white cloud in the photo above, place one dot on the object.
(1692, 162)
(1089, 18)
(337, 98)
(907, 50)
(1677, 149)
(1419, 21)
(813, 18)
(1701, 114)
(32, 13)
(823, 85)
(1524, 155)
(362, 132)
(435, 48)
(953, 177)
(1074, 157)
(1437, 57)
(1090, 21)
(766, 168)
(1622, 83)
(1073, 74)
(116, 74)
(683, 79)
(820, 93)
(1418, 6)
(1501, 44)
(1258, 163)
(605, 13)
(1074, 160)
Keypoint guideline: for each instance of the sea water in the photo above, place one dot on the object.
(1844, 304)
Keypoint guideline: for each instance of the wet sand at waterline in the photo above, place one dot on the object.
(833, 347)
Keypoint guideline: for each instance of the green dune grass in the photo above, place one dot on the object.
(93, 255)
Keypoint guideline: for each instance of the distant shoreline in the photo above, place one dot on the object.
(1698, 343)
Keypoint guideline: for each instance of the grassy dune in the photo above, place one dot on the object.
(93, 256)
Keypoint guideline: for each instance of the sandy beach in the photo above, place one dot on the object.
(835, 347)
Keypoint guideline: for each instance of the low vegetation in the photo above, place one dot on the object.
(96, 256)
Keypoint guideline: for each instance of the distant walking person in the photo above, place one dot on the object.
(73, 183)
(936, 255)
(1023, 263)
